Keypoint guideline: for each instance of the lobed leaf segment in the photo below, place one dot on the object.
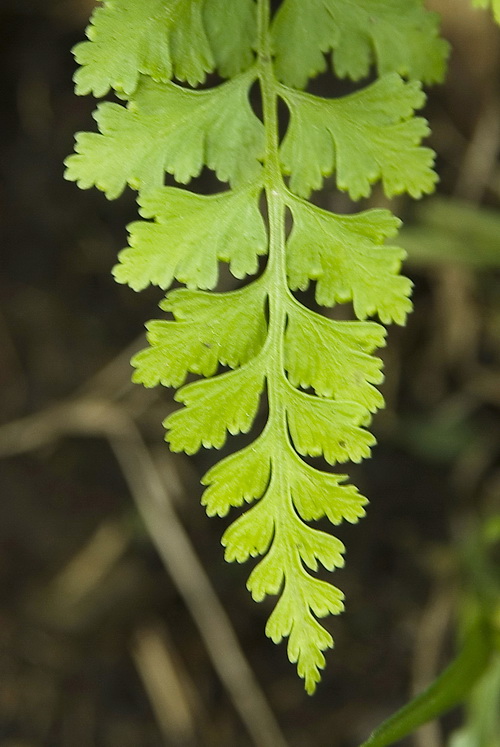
(319, 375)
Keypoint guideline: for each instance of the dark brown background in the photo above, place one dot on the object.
(89, 617)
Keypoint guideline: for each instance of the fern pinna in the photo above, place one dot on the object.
(319, 375)
(494, 4)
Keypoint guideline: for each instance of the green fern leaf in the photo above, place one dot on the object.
(127, 38)
(344, 255)
(239, 478)
(339, 363)
(292, 617)
(364, 137)
(214, 407)
(323, 427)
(169, 128)
(191, 235)
(317, 494)
(318, 547)
(397, 35)
(226, 328)
(268, 575)
(273, 526)
(251, 535)
(232, 30)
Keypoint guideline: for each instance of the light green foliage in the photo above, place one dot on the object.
(229, 225)
(483, 711)
(447, 691)
(310, 379)
(226, 403)
(339, 363)
(231, 27)
(226, 328)
(367, 136)
(448, 229)
(163, 40)
(396, 35)
(168, 128)
(343, 253)
(127, 38)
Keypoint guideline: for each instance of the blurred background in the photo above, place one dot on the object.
(120, 623)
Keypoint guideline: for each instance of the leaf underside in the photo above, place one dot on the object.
(262, 357)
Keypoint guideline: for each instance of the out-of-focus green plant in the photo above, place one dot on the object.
(473, 676)
(482, 597)
(449, 230)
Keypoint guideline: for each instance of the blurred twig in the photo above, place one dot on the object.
(93, 417)
(480, 157)
(92, 563)
(428, 647)
(166, 683)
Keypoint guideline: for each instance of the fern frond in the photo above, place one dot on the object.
(319, 376)
(328, 428)
(215, 407)
(317, 494)
(182, 39)
(239, 478)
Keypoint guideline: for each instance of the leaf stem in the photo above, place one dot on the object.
(274, 191)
